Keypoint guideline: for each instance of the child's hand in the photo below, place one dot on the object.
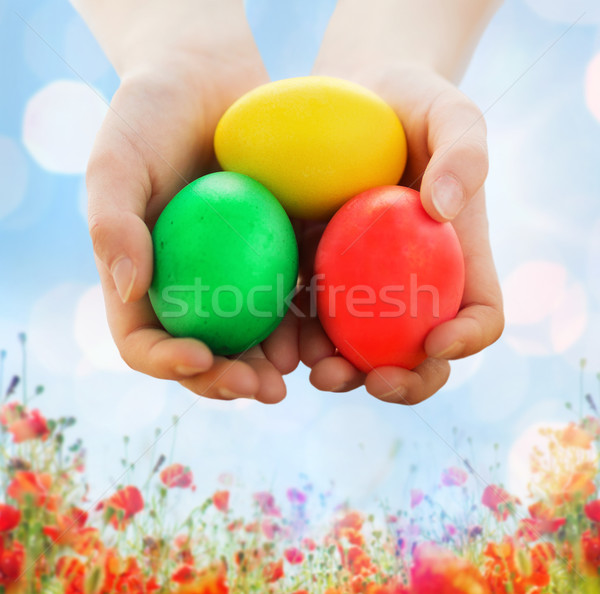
(181, 67)
(447, 159)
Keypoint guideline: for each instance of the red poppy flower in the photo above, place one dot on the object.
(438, 571)
(177, 475)
(9, 517)
(124, 504)
(293, 556)
(220, 500)
(273, 571)
(592, 510)
(35, 486)
(184, 574)
(11, 563)
(541, 522)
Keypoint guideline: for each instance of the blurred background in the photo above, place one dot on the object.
(536, 76)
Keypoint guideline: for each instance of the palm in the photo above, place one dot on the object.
(421, 110)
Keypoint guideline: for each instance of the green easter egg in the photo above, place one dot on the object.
(225, 263)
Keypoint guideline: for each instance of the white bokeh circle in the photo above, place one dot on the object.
(13, 173)
(92, 332)
(592, 87)
(519, 457)
(60, 124)
(546, 310)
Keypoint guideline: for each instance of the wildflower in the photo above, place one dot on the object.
(437, 571)
(177, 475)
(578, 485)
(266, 502)
(220, 500)
(592, 510)
(499, 501)
(359, 563)
(9, 517)
(184, 574)
(541, 522)
(23, 424)
(71, 572)
(11, 563)
(590, 546)
(296, 497)
(293, 556)
(309, 543)
(575, 436)
(273, 571)
(416, 497)
(123, 505)
(269, 528)
(349, 526)
(509, 569)
(454, 477)
(27, 485)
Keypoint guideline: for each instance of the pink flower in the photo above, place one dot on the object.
(499, 501)
(454, 477)
(269, 528)
(266, 502)
(416, 497)
(309, 543)
(296, 497)
(293, 556)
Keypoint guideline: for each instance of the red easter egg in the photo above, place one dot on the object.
(386, 275)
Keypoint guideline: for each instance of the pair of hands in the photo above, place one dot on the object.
(157, 137)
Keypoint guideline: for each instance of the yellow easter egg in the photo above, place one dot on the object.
(313, 141)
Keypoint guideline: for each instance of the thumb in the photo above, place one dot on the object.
(119, 189)
(459, 160)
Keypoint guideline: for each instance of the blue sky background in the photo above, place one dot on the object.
(540, 90)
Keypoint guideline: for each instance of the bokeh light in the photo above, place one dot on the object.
(592, 87)
(60, 124)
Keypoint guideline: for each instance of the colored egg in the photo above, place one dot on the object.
(387, 274)
(225, 263)
(313, 141)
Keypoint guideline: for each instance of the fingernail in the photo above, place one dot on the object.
(398, 394)
(186, 370)
(225, 393)
(451, 351)
(448, 196)
(123, 273)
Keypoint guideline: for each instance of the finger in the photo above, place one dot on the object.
(226, 380)
(271, 387)
(457, 143)
(314, 345)
(480, 321)
(281, 347)
(144, 345)
(402, 386)
(336, 374)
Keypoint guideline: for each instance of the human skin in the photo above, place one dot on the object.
(181, 65)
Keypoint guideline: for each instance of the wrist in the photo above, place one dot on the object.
(438, 35)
